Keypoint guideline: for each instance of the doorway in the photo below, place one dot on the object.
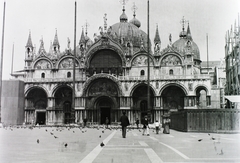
(41, 118)
(105, 112)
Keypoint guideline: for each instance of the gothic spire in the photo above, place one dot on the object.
(82, 38)
(189, 36)
(56, 42)
(29, 42)
(157, 37)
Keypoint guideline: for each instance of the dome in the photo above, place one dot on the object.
(123, 17)
(125, 31)
(135, 22)
(184, 43)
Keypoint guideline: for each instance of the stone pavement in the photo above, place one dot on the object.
(74, 145)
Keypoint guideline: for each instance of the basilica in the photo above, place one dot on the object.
(111, 76)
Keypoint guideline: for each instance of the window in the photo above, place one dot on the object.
(43, 75)
(142, 73)
(69, 75)
(171, 72)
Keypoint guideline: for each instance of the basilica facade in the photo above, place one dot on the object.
(111, 76)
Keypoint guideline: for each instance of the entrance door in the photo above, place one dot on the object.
(105, 112)
(41, 118)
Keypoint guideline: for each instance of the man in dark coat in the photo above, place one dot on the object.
(124, 123)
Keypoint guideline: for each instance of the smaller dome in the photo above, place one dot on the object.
(123, 17)
(135, 22)
(182, 34)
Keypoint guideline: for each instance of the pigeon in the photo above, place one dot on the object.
(65, 145)
(51, 133)
(213, 138)
(208, 134)
(46, 130)
(199, 140)
(37, 140)
(55, 137)
(73, 131)
(99, 136)
(102, 144)
(102, 131)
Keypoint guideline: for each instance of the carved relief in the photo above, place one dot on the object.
(42, 64)
(141, 61)
(170, 60)
(67, 63)
(103, 87)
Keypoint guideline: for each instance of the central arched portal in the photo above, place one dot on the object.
(173, 98)
(102, 101)
(105, 106)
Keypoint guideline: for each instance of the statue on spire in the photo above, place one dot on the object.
(105, 22)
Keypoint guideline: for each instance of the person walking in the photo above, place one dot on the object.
(145, 126)
(157, 126)
(107, 122)
(124, 123)
(137, 123)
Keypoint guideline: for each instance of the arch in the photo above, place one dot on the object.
(173, 97)
(171, 72)
(42, 63)
(36, 98)
(98, 46)
(142, 73)
(171, 59)
(141, 60)
(103, 76)
(180, 85)
(199, 87)
(27, 90)
(67, 62)
(60, 86)
(105, 61)
(142, 83)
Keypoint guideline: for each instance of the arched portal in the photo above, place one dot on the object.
(202, 100)
(102, 101)
(105, 106)
(140, 101)
(36, 100)
(63, 101)
(173, 98)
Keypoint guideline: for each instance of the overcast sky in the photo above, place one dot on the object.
(43, 17)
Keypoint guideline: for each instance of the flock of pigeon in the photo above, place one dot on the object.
(83, 130)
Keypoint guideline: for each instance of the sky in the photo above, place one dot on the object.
(44, 17)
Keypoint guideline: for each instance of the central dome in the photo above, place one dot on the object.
(127, 32)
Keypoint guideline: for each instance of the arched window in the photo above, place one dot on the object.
(69, 75)
(43, 75)
(142, 73)
(171, 72)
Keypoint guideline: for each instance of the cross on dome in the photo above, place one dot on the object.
(123, 2)
(183, 22)
(134, 9)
